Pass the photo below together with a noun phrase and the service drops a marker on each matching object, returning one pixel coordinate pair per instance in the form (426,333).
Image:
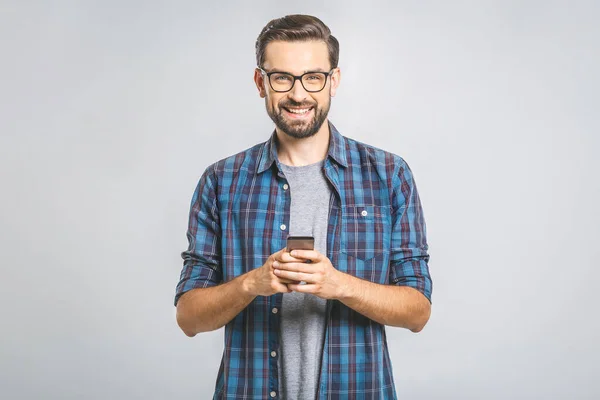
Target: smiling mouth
(298,111)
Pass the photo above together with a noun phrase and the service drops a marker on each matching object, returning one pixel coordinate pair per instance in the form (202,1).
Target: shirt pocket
(375,269)
(365,231)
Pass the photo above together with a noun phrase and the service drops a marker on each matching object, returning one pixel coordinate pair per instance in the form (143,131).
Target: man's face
(288,110)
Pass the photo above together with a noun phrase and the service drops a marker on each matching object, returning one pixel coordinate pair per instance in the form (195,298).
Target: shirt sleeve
(202,259)
(409,258)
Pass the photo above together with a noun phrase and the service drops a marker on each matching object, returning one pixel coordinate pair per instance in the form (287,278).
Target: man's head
(292,46)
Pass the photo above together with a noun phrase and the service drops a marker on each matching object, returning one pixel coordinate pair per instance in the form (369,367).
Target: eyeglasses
(284,82)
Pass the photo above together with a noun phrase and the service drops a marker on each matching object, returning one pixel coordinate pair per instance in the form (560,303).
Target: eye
(280,77)
(314,77)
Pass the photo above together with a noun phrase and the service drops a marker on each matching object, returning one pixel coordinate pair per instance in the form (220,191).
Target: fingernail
(275,263)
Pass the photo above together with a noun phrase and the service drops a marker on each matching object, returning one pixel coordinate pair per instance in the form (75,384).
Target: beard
(298,129)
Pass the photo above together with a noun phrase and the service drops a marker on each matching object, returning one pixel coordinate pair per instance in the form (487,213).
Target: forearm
(400,306)
(208,309)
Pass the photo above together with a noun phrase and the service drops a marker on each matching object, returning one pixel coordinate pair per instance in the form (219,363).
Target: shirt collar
(337,150)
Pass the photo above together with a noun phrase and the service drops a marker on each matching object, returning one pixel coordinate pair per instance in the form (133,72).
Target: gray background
(111,110)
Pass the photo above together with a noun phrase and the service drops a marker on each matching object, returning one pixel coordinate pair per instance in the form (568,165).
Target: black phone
(300,243)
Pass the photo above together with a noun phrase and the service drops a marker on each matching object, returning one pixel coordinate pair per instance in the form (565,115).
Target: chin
(306,131)
(299,135)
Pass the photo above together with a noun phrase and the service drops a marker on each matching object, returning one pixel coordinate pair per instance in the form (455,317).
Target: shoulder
(241,162)
(362,155)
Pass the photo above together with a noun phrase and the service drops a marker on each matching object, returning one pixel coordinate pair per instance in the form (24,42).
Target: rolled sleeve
(409,257)
(202,259)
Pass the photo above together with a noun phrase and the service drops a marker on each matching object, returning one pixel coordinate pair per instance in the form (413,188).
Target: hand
(263,282)
(321,278)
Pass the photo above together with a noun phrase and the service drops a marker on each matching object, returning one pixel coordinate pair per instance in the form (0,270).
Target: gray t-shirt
(302,331)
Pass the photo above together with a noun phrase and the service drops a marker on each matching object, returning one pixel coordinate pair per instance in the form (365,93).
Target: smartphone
(300,243)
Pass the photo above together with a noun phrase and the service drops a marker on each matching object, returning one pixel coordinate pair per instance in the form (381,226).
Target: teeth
(299,111)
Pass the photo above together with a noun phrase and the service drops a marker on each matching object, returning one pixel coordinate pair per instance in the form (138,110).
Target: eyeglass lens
(312,82)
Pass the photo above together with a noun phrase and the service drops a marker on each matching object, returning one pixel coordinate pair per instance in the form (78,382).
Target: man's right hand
(263,282)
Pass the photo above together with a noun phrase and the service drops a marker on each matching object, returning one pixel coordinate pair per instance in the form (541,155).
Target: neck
(305,151)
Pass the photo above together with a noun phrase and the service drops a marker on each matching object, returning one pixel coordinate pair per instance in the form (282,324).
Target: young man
(296,329)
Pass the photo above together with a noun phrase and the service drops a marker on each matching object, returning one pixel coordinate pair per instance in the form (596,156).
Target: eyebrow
(305,71)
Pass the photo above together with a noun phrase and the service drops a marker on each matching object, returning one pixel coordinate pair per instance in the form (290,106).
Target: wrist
(347,286)
(246,283)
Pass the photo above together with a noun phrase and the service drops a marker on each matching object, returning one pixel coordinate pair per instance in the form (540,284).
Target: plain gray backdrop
(111,110)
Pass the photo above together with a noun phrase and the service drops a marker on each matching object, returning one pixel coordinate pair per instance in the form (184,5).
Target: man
(296,329)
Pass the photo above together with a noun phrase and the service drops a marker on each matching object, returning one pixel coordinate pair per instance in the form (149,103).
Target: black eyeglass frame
(296,77)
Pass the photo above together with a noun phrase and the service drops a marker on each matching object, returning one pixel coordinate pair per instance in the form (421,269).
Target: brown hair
(297,28)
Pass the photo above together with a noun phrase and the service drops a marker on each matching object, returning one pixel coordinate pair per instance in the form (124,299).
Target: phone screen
(300,243)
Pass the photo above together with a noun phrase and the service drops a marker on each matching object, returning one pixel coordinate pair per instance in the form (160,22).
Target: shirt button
(364,213)
(274,310)
(273,354)
(282,227)
(273,394)
(285,186)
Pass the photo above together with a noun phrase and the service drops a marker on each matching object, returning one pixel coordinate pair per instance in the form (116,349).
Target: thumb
(285,288)
(276,255)
(281,251)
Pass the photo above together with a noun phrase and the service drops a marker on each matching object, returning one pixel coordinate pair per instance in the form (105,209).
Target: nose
(297,92)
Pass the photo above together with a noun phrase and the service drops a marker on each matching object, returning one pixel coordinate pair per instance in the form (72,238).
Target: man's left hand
(321,278)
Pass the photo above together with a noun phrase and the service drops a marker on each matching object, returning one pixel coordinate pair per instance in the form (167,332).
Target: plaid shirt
(240,213)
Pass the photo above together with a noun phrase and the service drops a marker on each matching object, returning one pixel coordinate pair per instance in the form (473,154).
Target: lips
(298,112)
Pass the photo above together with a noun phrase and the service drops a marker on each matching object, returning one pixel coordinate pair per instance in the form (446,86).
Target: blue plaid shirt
(240,214)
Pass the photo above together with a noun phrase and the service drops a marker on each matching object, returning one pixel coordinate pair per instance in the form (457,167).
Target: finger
(297,267)
(296,287)
(295,276)
(287,260)
(277,255)
(286,257)
(284,288)
(283,280)
(312,255)
(287,281)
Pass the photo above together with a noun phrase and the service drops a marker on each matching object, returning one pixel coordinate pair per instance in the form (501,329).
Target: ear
(336,75)
(260,83)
